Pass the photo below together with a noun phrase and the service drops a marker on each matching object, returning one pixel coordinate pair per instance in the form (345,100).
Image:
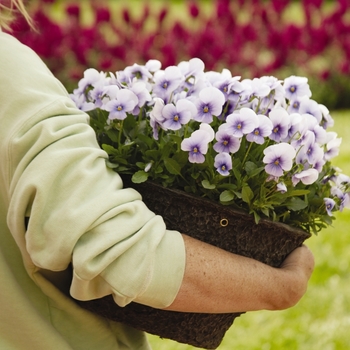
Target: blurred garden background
(251,38)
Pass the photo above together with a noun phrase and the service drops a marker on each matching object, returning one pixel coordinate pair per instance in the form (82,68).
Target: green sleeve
(53,171)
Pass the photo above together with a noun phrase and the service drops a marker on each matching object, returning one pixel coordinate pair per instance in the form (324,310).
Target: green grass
(321,320)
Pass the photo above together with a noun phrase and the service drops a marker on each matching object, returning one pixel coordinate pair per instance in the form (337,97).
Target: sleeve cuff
(169,269)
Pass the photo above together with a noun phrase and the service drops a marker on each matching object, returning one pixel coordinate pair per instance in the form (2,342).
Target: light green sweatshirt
(53,171)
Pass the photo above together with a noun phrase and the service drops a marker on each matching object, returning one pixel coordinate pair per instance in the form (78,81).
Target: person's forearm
(216,281)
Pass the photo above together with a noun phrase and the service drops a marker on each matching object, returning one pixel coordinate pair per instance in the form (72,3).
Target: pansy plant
(260,145)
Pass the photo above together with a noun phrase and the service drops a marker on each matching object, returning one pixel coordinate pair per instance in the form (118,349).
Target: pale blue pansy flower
(209,103)
(293,106)
(281,187)
(278,158)
(310,152)
(242,123)
(124,102)
(332,145)
(257,87)
(329,204)
(327,119)
(196,145)
(153,65)
(91,78)
(156,116)
(209,130)
(226,142)
(275,86)
(166,81)
(310,107)
(307,177)
(81,103)
(280,124)
(296,127)
(192,68)
(263,129)
(139,88)
(296,87)
(177,115)
(137,71)
(223,163)
(98,93)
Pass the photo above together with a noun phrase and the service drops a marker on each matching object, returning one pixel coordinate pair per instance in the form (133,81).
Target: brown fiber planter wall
(218,225)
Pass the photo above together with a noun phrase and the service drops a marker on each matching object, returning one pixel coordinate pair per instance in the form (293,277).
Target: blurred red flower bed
(250,38)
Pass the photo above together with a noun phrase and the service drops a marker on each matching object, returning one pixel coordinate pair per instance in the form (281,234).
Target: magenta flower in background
(279,158)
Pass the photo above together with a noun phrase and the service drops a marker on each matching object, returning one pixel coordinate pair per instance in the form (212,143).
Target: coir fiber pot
(218,225)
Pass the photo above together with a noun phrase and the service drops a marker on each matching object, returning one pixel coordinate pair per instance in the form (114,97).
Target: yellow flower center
(275,129)
(276,162)
(205,109)
(176,118)
(195,150)
(292,89)
(256,132)
(165,85)
(119,108)
(223,167)
(239,126)
(225,143)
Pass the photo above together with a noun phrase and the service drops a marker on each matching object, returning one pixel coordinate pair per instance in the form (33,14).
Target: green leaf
(265,211)
(226,196)
(250,167)
(247,194)
(153,154)
(172,166)
(206,184)
(296,193)
(296,204)
(144,140)
(111,165)
(256,217)
(139,177)
(109,149)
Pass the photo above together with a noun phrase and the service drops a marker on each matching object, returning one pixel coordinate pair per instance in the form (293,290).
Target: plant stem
(246,154)
(120,134)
